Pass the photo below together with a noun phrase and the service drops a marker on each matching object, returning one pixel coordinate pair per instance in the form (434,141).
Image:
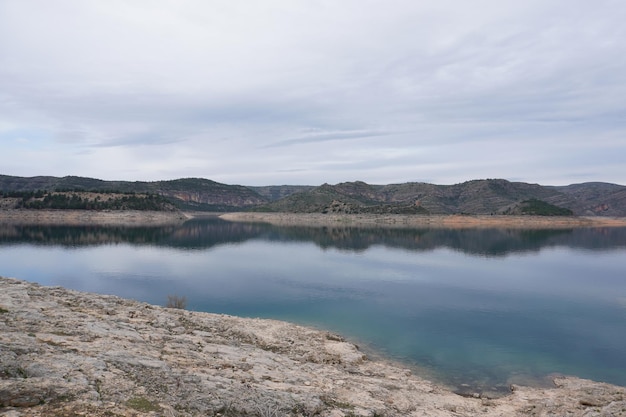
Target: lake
(474,309)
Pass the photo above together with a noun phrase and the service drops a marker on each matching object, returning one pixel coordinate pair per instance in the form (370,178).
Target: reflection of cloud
(621,301)
(326,290)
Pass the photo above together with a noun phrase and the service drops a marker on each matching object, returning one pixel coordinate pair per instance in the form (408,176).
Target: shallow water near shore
(477,309)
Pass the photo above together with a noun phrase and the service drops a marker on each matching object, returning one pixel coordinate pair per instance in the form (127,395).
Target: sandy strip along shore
(162,218)
(443,221)
(68,353)
(92,217)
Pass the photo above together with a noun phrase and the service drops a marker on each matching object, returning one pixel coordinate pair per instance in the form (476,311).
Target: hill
(593,198)
(490,196)
(83,200)
(277,192)
(202,194)
(187,193)
(487,196)
(349,198)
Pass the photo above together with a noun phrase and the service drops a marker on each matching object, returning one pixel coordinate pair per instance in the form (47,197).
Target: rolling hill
(487,196)
(491,196)
(187,193)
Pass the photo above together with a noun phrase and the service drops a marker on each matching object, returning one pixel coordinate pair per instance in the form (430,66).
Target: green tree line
(72,201)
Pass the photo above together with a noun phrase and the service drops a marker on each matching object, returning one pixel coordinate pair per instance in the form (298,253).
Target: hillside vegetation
(79,200)
(534,207)
(186,194)
(489,196)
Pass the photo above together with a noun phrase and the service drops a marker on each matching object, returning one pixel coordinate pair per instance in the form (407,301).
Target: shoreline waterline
(159,218)
(452,221)
(116,350)
(127,218)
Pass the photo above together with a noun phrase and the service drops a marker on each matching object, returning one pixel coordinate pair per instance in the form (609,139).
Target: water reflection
(76,236)
(209,232)
(523,304)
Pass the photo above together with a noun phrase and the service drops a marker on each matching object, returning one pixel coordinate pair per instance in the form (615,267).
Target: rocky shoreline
(431,221)
(68,353)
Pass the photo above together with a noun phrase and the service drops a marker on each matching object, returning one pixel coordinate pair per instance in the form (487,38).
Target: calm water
(478,307)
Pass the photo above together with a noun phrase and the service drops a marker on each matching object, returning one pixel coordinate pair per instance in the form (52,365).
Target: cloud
(305,91)
(320,136)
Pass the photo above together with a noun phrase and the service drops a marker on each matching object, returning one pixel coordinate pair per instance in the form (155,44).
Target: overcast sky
(307,92)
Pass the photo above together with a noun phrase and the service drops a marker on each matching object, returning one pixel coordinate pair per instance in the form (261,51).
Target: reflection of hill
(210,232)
(482,242)
(74,236)
(194,234)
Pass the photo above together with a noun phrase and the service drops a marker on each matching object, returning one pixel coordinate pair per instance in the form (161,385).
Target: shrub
(175,301)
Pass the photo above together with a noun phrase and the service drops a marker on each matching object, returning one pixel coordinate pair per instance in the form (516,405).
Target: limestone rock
(67,353)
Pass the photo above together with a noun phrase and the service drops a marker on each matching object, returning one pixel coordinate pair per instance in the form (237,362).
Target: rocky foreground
(67,353)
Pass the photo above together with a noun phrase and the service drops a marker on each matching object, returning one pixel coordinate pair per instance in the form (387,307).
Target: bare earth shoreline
(438,221)
(66,353)
(92,217)
(162,218)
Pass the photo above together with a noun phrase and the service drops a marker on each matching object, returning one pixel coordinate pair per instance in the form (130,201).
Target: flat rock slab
(68,353)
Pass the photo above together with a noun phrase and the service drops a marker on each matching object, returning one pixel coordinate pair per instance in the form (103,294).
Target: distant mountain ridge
(490,196)
(487,196)
(186,193)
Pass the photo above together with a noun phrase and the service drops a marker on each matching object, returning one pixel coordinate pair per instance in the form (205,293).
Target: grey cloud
(325,137)
(207,82)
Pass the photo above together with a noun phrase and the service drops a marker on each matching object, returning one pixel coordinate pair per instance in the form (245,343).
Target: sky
(318,91)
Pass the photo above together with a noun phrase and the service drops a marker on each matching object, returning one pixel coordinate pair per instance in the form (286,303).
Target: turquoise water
(483,308)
